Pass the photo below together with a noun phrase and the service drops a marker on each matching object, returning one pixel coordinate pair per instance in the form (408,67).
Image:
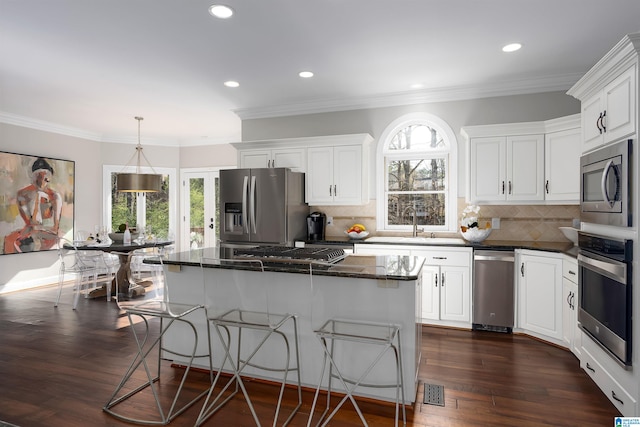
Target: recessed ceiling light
(231,83)
(417,86)
(511,47)
(305,74)
(220,11)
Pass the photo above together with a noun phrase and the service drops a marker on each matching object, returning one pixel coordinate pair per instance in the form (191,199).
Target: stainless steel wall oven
(605,293)
(606,186)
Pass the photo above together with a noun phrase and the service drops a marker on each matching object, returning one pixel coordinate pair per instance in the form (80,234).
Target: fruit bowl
(119,237)
(475,235)
(357,236)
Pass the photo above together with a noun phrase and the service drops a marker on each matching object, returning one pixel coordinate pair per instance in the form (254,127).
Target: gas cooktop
(285,253)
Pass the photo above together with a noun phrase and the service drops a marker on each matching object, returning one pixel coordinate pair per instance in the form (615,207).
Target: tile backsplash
(537,223)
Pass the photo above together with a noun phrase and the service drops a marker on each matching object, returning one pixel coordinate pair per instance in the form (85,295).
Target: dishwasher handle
(506,256)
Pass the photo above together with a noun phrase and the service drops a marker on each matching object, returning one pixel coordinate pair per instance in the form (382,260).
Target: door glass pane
(157,210)
(429,209)
(196,213)
(123,207)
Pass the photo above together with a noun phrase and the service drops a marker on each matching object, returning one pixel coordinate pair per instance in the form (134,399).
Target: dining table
(124,278)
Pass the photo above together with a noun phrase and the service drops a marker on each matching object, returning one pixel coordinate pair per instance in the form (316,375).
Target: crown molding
(453,93)
(31,123)
(28,122)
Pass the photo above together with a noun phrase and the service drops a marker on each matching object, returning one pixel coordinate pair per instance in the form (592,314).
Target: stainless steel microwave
(605,185)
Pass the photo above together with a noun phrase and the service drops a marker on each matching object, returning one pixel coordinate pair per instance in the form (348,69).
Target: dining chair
(89,267)
(255,331)
(354,346)
(144,379)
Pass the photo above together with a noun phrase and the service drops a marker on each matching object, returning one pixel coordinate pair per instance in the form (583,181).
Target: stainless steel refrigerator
(262,206)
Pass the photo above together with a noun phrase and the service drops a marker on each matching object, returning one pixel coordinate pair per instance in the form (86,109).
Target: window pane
(196,214)
(417,175)
(123,207)
(429,209)
(157,210)
(416,138)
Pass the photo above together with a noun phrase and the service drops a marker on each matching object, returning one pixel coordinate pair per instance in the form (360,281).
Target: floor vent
(434,394)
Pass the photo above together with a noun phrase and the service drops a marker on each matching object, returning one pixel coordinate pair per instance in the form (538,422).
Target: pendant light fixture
(139,182)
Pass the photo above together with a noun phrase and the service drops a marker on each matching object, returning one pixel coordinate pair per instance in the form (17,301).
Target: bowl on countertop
(119,237)
(357,236)
(570,233)
(475,235)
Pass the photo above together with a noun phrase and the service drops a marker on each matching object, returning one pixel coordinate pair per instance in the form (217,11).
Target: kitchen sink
(417,240)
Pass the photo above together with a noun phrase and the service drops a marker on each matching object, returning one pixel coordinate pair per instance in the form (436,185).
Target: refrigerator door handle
(252,204)
(245,194)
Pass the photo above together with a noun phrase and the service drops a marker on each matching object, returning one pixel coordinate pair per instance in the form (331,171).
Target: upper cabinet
(562,159)
(293,158)
(507,168)
(609,95)
(336,167)
(524,162)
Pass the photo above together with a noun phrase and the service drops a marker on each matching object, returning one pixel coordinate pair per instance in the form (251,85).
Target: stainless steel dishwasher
(493,290)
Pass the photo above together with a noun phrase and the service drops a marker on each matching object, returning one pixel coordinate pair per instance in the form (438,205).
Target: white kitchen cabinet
(446,285)
(540,294)
(562,165)
(346,156)
(570,333)
(446,280)
(507,168)
(335,176)
(294,158)
(609,114)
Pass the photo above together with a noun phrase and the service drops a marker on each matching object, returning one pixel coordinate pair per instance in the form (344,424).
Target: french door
(200,213)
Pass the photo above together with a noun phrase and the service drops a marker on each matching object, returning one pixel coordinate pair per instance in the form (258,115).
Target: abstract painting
(36,202)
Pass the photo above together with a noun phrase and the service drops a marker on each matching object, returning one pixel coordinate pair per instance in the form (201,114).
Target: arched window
(417,175)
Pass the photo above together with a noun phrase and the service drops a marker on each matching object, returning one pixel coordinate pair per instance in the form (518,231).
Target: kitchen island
(371,288)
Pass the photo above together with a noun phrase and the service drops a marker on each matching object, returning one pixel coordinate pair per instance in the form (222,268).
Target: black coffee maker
(315,226)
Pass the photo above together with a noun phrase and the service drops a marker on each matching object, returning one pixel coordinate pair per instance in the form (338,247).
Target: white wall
(33,269)
(41,267)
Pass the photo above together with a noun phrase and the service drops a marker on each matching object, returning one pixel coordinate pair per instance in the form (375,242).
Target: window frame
(451,151)
(107,170)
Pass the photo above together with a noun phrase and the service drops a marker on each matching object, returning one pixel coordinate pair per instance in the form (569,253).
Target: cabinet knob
(509,187)
(546,186)
(602,122)
(502,187)
(522,269)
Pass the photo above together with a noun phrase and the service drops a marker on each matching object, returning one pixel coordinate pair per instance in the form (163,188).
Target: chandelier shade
(139,182)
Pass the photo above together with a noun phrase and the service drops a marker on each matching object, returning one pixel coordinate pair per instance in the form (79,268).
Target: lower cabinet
(612,388)
(446,280)
(540,294)
(446,293)
(571,334)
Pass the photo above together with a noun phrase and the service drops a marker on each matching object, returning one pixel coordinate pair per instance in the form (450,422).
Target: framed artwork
(36,202)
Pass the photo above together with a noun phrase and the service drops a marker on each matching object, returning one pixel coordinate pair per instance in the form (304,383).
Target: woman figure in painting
(40,207)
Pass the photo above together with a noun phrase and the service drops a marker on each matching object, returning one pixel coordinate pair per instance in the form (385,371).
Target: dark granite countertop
(404,268)
(561,247)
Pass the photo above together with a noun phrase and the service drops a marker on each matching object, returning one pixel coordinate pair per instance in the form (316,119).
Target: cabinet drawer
(609,386)
(570,270)
(435,257)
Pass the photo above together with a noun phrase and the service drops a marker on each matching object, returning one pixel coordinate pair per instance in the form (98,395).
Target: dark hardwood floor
(58,367)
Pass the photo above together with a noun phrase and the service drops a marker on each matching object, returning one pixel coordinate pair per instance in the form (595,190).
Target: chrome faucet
(416,230)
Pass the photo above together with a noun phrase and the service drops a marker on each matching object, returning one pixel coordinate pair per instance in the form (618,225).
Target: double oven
(605,258)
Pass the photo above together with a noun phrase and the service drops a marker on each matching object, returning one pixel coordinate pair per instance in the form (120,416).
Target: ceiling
(89,67)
